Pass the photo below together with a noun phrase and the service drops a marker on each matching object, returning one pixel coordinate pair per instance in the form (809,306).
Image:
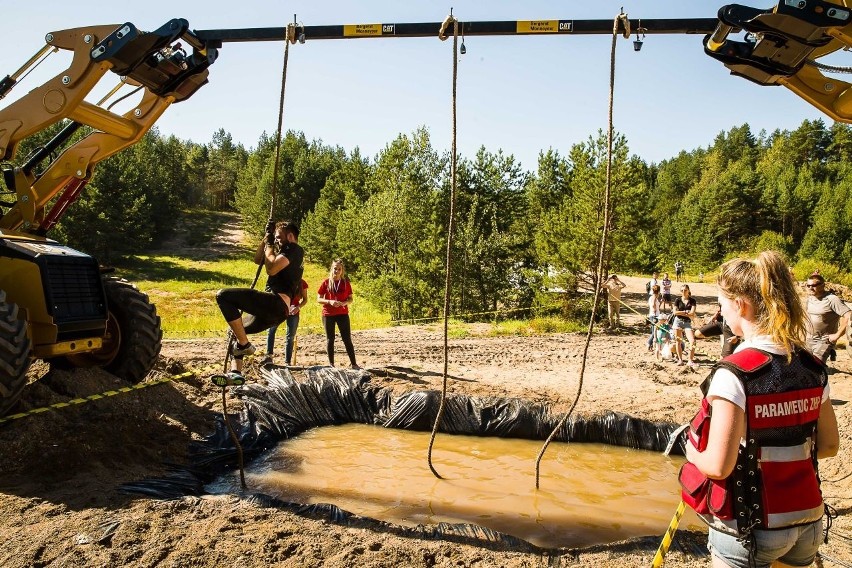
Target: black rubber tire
(15,358)
(134,336)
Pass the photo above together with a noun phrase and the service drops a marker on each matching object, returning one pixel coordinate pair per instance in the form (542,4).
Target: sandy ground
(60,470)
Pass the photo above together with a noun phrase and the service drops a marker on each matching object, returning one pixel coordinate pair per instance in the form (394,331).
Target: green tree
(488,252)
(396,237)
(303,170)
(711,220)
(128,206)
(225,160)
(828,237)
(344,189)
(567,238)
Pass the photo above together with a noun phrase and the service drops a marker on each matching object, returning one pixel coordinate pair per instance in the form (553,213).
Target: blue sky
(518,93)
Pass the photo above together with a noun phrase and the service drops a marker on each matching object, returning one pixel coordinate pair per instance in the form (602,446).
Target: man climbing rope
(250,311)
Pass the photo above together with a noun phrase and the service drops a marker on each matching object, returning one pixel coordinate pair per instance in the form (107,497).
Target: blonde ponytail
(767,284)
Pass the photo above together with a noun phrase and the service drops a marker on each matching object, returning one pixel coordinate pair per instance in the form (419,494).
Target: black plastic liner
(285,408)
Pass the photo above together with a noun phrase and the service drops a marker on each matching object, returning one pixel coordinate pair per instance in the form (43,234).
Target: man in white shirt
(654,281)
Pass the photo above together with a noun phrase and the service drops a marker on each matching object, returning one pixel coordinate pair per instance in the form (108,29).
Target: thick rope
(450,229)
(234,438)
(290,37)
(602,249)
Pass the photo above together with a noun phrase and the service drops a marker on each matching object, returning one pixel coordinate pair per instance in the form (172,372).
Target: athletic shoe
(265,361)
(681,363)
(356,368)
(247,349)
(693,365)
(232,379)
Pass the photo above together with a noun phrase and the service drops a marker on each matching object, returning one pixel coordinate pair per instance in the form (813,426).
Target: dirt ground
(60,470)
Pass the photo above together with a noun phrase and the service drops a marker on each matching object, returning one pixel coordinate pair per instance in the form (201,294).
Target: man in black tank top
(250,311)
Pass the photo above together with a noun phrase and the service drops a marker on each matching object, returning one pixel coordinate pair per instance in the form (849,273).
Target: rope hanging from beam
(619,19)
(289,38)
(450,229)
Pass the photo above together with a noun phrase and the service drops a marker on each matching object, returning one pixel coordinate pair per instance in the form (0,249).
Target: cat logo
(565,26)
(388,29)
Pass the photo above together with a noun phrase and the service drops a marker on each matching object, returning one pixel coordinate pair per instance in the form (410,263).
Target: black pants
(342,322)
(260,310)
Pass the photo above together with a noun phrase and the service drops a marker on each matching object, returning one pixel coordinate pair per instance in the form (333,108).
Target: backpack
(648,287)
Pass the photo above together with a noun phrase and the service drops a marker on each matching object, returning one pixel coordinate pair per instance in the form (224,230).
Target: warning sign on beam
(544,26)
(368,30)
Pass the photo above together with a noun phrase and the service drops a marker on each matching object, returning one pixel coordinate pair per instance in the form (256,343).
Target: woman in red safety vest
(766,417)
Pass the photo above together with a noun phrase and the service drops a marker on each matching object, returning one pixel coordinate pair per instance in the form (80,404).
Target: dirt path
(60,470)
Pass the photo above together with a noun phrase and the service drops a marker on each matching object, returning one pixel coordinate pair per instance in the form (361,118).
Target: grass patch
(535,326)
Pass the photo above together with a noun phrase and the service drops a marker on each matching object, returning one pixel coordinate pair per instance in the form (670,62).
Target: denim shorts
(796,546)
(685,323)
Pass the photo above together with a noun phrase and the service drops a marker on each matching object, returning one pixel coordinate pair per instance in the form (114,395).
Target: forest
(519,235)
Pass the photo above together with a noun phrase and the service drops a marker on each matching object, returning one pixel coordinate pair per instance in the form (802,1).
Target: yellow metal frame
(62,97)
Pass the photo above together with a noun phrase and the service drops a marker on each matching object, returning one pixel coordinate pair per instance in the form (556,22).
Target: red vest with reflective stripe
(775,482)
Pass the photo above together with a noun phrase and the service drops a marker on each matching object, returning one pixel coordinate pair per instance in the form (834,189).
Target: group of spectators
(668,331)
(827,318)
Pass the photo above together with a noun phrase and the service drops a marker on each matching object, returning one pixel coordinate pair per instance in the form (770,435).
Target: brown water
(590,493)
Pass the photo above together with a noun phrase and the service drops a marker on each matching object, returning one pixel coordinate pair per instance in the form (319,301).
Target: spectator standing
(717,327)
(335,296)
(653,313)
(684,311)
(613,287)
(828,317)
(678,266)
(667,292)
(654,281)
(292,327)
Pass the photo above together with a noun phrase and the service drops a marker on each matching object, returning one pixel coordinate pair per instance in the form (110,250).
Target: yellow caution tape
(93,397)
(659,557)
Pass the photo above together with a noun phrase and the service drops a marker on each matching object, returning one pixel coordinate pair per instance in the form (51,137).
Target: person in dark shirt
(250,311)
(684,312)
(717,327)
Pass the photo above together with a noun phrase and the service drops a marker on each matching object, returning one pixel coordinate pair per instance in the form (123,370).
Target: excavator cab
(55,302)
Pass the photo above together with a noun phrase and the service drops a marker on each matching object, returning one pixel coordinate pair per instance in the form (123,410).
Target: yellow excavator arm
(782,46)
(155,62)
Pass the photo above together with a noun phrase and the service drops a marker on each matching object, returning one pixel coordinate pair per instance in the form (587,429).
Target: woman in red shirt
(335,295)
